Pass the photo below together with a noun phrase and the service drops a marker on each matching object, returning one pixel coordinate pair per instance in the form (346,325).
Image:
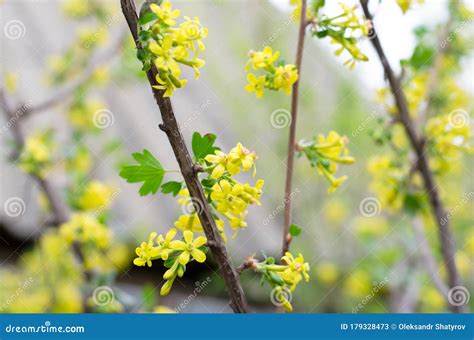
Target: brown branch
(248,263)
(446,237)
(292,137)
(428,258)
(59,209)
(170,127)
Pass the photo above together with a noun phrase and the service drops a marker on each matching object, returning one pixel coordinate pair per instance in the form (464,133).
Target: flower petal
(198,255)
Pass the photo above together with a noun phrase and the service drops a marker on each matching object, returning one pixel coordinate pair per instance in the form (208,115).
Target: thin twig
(65,91)
(59,209)
(446,238)
(428,258)
(170,127)
(292,137)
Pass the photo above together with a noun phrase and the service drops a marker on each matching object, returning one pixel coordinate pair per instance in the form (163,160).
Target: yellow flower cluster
(277,75)
(283,277)
(325,153)
(448,138)
(168,46)
(239,158)
(96,196)
(343,29)
(389,180)
(85,229)
(175,253)
(232,198)
(36,157)
(229,197)
(191,221)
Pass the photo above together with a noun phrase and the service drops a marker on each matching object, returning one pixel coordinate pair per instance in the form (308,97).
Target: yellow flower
(36,157)
(227,197)
(165,12)
(263,59)
(255,84)
(238,157)
(164,243)
(85,228)
(325,153)
(285,77)
(165,60)
(297,269)
(189,222)
(147,252)
(219,159)
(406,4)
(96,195)
(189,248)
(191,31)
(10,80)
(327,272)
(163,310)
(358,284)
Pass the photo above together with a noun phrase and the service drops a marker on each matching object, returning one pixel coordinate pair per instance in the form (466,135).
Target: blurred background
(359,263)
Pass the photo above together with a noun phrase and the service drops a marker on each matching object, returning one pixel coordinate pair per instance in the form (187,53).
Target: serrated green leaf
(294,230)
(172,187)
(149,171)
(203,145)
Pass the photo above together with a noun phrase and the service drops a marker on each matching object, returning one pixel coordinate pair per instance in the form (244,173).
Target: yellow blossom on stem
(165,12)
(189,248)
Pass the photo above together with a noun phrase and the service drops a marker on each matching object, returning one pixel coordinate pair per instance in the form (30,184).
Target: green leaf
(171,187)
(147,17)
(203,145)
(422,57)
(149,171)
(294,230)
(208,182)
(413,203)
